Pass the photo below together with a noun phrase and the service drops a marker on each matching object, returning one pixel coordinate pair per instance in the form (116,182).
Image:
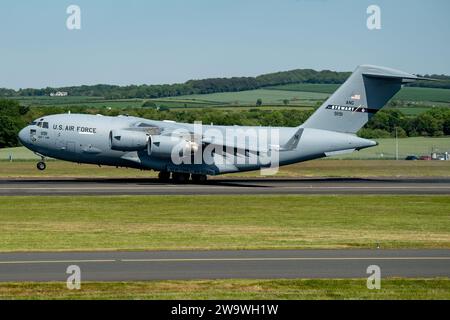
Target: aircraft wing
(185,132)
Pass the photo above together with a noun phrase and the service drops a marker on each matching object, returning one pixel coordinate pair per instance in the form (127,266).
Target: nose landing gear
(41,166)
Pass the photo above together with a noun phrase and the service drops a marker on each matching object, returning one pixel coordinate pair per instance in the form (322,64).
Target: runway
(269,264)
(139,186)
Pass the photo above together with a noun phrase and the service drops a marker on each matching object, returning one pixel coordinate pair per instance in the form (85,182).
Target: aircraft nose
(23,137)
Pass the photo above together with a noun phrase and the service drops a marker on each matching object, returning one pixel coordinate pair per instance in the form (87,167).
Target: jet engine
(165,146)
(125,140)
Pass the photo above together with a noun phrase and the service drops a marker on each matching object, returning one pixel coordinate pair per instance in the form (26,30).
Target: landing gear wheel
(199,178)
(164,176)
(41,166)
(180,177)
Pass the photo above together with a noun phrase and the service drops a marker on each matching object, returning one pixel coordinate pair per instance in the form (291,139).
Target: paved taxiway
(268,264)
(221,185)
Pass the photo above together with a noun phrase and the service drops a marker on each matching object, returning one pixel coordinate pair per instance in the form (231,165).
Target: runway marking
(55,261)
(283,259)
(120,188)
(220,260)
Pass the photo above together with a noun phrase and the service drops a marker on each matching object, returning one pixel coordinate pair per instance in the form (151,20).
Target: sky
(170,41)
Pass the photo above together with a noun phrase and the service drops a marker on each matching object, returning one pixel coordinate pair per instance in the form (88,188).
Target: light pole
(396,143)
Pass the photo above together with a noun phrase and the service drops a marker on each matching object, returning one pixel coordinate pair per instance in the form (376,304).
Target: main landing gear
(181,178)
(164,176)
(199,178)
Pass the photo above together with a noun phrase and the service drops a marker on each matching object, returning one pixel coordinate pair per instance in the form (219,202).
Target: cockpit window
(43,125)
(40,123)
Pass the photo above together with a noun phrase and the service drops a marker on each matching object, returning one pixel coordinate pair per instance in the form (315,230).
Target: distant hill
(213,85)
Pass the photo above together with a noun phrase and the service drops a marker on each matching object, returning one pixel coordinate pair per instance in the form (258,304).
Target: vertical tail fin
(364,93)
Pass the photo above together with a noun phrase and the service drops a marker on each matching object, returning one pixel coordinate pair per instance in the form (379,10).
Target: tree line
(13,117)
(443,83)
(190,87)
(386,123)
(212,85)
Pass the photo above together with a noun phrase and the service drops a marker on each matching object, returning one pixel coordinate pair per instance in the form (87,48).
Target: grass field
(228,107)
(269,97)
(250,97)
(20,153)
(307,87)
(318,168)
(407,146)
(420,289)
(406,94)
(360,169)
(47,100)
(254,222)
(303,94)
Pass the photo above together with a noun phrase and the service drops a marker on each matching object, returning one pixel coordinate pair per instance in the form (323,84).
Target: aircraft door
(60,142)
(70,146)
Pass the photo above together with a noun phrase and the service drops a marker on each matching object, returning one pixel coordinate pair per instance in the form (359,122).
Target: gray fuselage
(87,139)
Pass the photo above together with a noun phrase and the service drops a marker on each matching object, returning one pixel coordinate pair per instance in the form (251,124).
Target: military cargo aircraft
(181,152)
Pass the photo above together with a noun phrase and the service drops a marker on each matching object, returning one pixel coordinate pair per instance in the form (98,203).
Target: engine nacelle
(125,140)
(165,146)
